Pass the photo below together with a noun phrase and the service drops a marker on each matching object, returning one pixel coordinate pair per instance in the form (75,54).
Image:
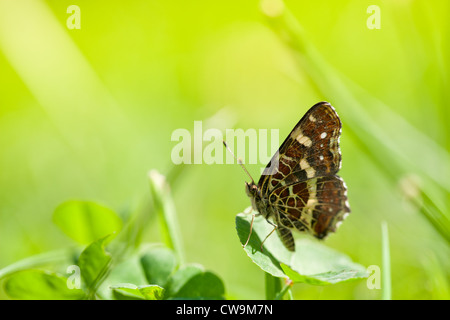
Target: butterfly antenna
(239,160)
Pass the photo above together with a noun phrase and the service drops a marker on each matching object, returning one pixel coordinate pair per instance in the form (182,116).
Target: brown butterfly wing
(300,182)
(310,150)
(315,206)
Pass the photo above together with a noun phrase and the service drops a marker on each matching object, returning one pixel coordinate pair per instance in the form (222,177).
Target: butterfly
(299,188)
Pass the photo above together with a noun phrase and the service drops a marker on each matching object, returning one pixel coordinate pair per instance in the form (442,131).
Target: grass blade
(386,286)
(165,208)
(39,260)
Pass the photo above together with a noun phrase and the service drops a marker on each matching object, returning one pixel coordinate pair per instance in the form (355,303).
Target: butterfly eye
(251,189)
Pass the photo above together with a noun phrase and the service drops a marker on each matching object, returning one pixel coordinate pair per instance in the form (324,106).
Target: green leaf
(312,262)
(158,264)
(40,285)
(132,292)
(85,221)
(181,277)
(128,270)
(325,278)
(192,282)
(274,251)
(94,263)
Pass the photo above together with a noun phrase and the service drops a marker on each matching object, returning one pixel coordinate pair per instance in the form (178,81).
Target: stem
(283,291)
(273,287)
(165,207)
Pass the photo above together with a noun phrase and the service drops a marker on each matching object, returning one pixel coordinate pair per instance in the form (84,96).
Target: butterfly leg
(251,227)
(274,228)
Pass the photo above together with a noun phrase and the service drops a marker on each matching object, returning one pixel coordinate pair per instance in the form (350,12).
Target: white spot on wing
(323,135)
(347,204)
(304,164)
(310,172)
(304,140)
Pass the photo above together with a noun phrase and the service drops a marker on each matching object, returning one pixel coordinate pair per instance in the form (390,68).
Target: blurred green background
(85,114)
